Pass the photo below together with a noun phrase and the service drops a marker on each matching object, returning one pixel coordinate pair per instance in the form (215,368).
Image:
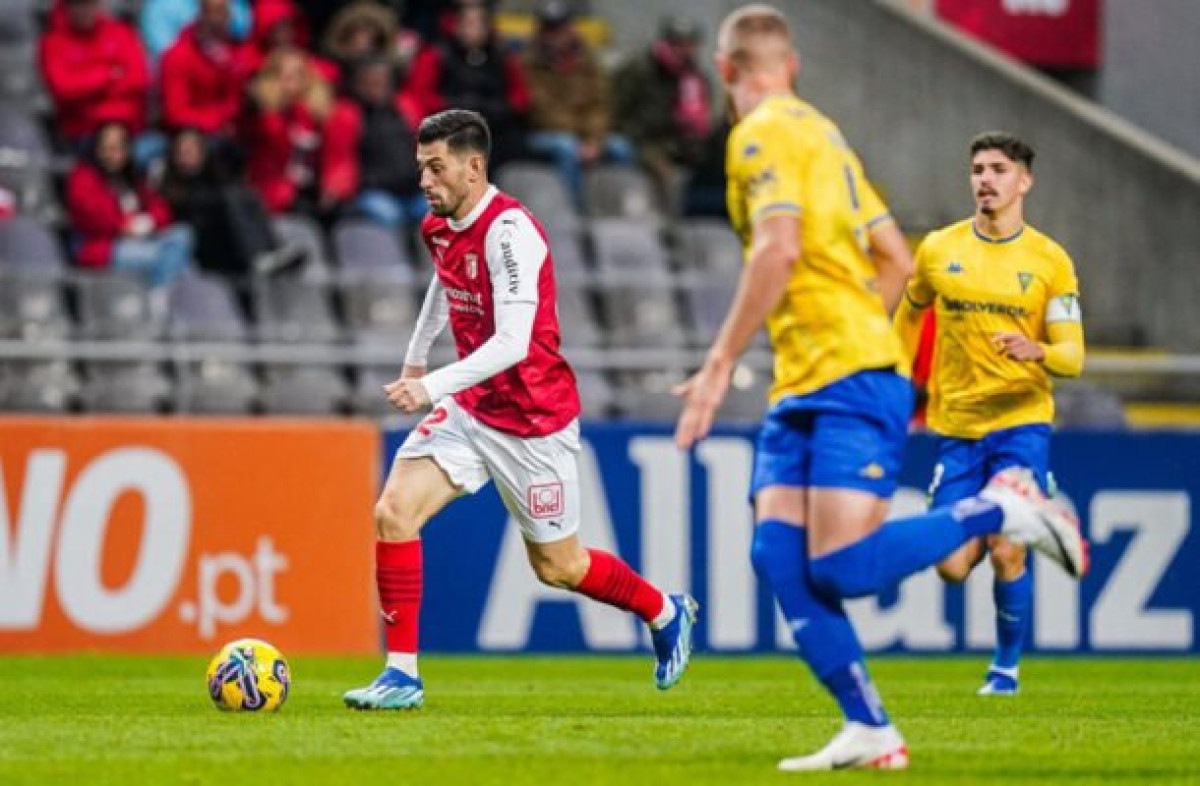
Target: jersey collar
(997,240)
(476,212)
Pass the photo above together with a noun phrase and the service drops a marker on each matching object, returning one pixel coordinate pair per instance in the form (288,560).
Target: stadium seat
(709,245)
(216,387)
(305,390)
(570,260)
(127,387)
(116,307)
(380,312)
(367,250)
(617,191)
(32,309)
(576,316)
(204,308)
(641,314)
(292,310)
(1083,406)
(597,397)
(45,385)
(20,85)
(27,246)
(25,158)
(627,246)
(304,232)
(540,189)
(368,398)
(746,401)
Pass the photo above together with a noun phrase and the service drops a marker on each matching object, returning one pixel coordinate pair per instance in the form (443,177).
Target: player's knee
(1008,559)
(564,572)
(394,521)
(954,571)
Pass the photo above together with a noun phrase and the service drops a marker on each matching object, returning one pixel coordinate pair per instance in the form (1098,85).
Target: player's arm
(1062,353)
(888,249)
(515,254)
(917,296)
(431,321)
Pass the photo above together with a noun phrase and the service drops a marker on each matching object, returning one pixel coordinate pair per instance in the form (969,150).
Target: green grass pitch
(592,720)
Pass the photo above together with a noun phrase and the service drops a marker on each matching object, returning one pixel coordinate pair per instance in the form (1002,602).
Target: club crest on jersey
(1025,280)
(471,261)
(954,267)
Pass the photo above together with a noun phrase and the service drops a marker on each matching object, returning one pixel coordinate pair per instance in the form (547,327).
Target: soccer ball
(250,675)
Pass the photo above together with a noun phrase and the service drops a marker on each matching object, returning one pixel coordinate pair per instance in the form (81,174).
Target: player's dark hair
(462,129)
(1010,145)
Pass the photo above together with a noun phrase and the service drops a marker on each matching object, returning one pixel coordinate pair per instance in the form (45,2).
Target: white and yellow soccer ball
(248,675)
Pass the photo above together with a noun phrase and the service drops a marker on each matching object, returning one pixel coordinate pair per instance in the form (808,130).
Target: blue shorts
(964,466)
(849,434)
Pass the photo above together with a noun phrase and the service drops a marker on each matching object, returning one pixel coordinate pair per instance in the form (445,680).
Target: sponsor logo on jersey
(984,307)
(546,500)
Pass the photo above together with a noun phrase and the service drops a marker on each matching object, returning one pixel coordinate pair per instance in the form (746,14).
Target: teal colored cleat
(673,644)
(391,690)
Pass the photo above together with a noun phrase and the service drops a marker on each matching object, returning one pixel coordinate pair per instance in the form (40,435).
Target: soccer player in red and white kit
(506,411)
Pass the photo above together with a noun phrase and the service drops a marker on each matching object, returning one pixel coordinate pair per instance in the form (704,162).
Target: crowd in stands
(193,127)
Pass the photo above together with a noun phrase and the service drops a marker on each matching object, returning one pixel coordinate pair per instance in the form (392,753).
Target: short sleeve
(763,165)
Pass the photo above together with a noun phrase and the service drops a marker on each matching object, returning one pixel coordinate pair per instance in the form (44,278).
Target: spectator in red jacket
(95,69)
(118,221)
(283,130)
(472,71)
(203,75)
(279,24)
(369,151)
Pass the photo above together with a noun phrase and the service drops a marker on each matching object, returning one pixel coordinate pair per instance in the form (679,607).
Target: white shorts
(537,477)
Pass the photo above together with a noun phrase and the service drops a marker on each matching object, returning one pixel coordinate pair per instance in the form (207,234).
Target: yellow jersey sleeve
(873,209)
(1062,292)
(920,292)
(764,166)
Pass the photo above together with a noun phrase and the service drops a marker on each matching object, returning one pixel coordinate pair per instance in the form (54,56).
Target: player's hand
(407,395)
(1018,346)
(702,395)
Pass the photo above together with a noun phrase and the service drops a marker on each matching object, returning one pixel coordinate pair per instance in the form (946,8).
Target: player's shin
(819,624)
(609,579)
(398,575)
(900,548)
(1014,599)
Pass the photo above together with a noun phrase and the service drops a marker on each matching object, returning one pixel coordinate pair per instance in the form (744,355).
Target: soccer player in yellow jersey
(825,264)
(1008,317)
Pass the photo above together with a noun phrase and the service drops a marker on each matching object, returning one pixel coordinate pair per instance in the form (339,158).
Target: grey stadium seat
(215,387)
(576,316)
(617,191)
(540,189)
(116,307)
(709,245)
(32,309)
(304,232)
(597,397)
(291,310)
(368,397)
(628,246)
(1084,406)
(380,312)
(641,314)
(28,246)
(136,387)
(569,258)
(367,250)
(24,157)
(38,386)
(204,308)
(305,390)
(646,395)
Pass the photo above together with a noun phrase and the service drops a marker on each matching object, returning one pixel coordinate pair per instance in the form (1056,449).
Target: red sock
(398,576)
(609,580)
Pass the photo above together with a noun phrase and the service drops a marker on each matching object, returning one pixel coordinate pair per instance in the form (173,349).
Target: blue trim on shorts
(849,434)
(964,466)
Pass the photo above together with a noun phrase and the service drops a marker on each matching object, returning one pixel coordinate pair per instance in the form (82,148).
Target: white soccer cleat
(1039,523)
(856,746)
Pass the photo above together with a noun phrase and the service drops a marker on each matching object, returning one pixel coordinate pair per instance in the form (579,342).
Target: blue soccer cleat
(391,690)
(673,643)
(999,683)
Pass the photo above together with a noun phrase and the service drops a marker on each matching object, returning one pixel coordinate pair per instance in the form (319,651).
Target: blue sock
(1013,602)
(822,631)
(900,548)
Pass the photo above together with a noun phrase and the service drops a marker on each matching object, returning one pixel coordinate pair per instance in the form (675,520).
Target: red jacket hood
(269,13)
(57,21)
